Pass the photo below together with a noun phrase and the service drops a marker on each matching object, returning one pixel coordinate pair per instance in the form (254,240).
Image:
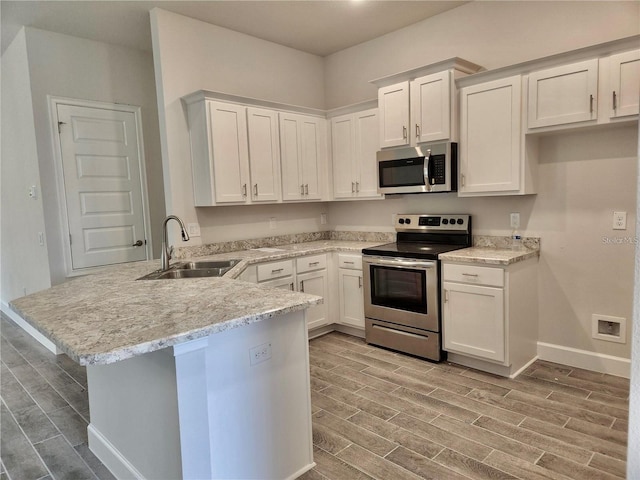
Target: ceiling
(317,27)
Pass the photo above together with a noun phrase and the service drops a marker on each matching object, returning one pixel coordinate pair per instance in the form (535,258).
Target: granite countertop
(110,316)
(489,255)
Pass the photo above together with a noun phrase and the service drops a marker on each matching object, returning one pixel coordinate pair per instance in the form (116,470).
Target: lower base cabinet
(490,316)
(315,283)
(351,290)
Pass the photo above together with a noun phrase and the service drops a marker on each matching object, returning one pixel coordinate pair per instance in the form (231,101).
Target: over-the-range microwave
(427,168)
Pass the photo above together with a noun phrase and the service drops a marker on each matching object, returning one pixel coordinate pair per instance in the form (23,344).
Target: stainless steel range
(402,283)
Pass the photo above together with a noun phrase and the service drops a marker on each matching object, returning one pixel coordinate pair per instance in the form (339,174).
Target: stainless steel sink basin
(193,270)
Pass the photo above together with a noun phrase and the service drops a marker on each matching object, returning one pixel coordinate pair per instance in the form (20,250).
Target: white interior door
(103,189)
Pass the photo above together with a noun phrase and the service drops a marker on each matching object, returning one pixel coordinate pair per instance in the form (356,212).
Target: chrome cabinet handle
(470,275)
(590,103)
(615,103)
(462,179)
(302,189)
(277,270)
(313,264)
(244,190)
(417,131)
(255,189)
(302,286)
(350,263)
(292,286)
(404,132)
(306,189)
(357,187)
(446,296)
(353,187)
(359,282)
(137,244)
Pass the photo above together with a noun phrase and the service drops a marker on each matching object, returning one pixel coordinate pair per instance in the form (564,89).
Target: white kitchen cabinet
(489,315)
(315,283)
(303,155)
(351,290)
(624,82)
(431,107)
(493,157)
(220,156)
(393,102)
(235,153)
(564,94)
(354,143)
(264,154)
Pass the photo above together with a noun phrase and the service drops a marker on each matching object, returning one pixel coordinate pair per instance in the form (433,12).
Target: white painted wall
(65,66)
(190,55)
(633,448)
(25,265)
(492,34)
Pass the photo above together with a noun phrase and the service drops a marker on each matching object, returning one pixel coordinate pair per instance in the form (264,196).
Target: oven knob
(460,221)
(407,221)
(401,221)
(452,221)
(445,221)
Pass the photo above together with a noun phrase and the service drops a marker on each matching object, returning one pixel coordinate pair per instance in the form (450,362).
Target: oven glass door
(399,288)
(402,291)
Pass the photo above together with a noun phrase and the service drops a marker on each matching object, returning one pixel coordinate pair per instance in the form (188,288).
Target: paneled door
(103,185)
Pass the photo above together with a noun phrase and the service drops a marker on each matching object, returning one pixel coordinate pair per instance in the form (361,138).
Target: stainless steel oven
(402,283)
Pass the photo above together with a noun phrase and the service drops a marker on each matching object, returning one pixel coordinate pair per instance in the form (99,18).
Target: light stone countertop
(110,316)
(489,255)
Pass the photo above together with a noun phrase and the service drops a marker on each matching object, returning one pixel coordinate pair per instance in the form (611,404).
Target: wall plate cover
(619,220)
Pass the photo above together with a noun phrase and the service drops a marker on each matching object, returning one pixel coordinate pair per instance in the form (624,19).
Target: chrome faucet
(166,250)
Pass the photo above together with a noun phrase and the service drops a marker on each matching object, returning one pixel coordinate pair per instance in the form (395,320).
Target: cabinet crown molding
(524,68)
(456,63)
(201,95)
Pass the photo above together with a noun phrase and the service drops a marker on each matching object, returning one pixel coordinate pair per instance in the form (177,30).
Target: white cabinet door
(302,153)
(562,95)
(393,102)
(366,125)
(490,136)
(315,283)
(264,154)
(473,320)
(351,297)
(625,83)
(228,133)
(431,107)
(342,148)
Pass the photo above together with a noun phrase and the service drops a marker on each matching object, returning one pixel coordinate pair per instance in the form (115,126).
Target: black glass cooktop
(421,250)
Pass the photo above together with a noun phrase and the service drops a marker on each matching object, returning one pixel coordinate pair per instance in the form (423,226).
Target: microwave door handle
(427,170)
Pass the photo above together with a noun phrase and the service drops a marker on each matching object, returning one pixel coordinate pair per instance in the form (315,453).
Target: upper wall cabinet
(304,157)
(565,94)
(219,151)
(624,83)
(264,154)
(354,141)
(599,90)
(420,105)
(492,161)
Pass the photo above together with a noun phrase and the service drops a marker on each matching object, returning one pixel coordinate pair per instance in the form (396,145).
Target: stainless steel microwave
(424,169)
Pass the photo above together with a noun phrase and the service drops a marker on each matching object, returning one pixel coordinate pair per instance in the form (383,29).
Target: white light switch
(619,220)
(193,229)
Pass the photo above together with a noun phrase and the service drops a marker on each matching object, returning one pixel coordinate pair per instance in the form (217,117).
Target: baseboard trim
(23,324)
(109,455)
(573,357)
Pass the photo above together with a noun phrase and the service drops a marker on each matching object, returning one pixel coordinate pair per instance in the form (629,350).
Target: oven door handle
(398,263)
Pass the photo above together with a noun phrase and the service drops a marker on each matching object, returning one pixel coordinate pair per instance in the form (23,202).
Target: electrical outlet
(41,238)
(260,354)
(272,223)
(619,220)
(323,219)
(33,192)
(193,229)
(514,220)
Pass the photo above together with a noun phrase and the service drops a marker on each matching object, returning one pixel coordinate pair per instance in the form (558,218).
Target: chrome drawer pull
(470,274)
(277,270)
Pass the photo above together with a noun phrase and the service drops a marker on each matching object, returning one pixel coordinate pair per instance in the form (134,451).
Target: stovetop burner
(426,236)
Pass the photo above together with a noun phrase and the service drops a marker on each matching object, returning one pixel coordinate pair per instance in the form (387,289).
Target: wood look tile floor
(376,414)
(387,416)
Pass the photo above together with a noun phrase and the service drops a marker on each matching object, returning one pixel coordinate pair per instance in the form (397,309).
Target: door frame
(53,102)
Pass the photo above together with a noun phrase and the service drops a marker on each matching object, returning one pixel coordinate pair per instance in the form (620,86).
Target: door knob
(137,244)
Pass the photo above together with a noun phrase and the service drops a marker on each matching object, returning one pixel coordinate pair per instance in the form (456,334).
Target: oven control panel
(448,222)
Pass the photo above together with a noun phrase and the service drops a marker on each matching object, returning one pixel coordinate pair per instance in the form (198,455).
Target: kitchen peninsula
(176,386)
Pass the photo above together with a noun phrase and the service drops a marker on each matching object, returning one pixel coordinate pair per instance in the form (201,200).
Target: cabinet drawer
(353,262)
(473,274)
(267,271)
(314,262)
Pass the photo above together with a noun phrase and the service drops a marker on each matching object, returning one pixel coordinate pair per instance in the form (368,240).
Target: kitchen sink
(193,270)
